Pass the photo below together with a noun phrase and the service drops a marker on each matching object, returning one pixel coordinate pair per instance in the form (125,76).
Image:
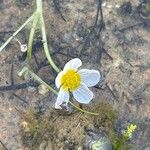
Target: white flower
(76,81)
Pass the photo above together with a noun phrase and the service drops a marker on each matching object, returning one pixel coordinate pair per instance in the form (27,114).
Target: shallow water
(117,44)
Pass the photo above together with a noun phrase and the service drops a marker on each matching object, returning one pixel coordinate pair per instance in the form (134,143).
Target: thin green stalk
(46,45)
(35,77)
(15,33)
(29,53)
(32,33)
(44,38)
(84,111)
(39,5)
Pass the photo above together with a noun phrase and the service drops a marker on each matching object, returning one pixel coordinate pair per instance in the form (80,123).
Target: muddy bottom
(112,37)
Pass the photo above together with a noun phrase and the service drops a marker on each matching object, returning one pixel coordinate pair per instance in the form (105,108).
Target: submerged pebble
(96,140)
(126,8)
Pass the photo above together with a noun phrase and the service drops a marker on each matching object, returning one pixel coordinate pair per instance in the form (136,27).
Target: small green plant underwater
(107,120)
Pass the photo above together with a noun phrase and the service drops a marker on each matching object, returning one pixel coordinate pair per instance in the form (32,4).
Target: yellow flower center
(70,80)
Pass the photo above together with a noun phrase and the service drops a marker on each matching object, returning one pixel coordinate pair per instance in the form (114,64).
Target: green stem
(29,53)
(35,77)
(44,38)
(15,33)
(46,45)
(39,5)
(32,33)
(84,111)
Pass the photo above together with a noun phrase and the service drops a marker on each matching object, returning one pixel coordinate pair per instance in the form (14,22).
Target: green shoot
(37,19)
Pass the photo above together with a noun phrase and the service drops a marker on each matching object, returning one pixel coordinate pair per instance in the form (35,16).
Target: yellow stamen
(70,80)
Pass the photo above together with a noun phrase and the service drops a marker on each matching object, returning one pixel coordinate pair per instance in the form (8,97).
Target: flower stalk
(37,19)
(39,5)
(44,38)
(84,111)
(32,33)
(25,70)
(16,32)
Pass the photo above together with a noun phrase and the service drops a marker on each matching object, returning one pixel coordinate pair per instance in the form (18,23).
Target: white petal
(73,64)
(83,94)
(89,77)
(58,79)
(63,96)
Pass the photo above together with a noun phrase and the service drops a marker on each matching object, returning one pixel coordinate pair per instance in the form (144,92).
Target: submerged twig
(36,60)
(12,75)
(114,96)
(133,25)
(57,7)
(101,21)
(18,86)
(3,145)
(98,26)
(21,99)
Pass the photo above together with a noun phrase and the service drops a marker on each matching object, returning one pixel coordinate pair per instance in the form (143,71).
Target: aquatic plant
(27,72)
(71,80)
(121,142)
(129,131)
(107,120)
(37,20)
(75,81)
